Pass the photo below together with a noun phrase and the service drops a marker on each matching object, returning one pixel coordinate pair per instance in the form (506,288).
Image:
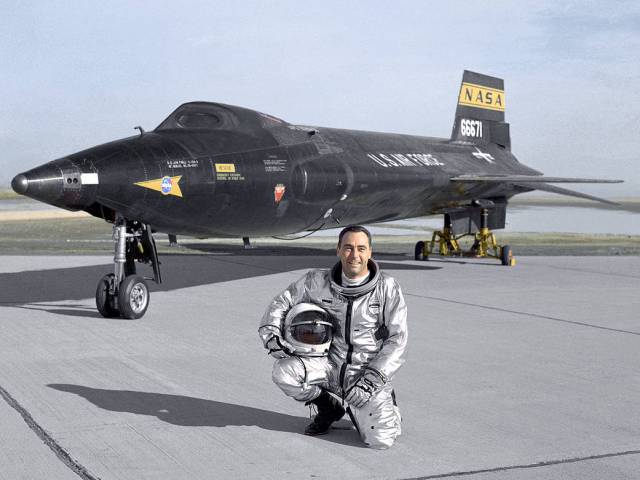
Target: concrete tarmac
(530,372)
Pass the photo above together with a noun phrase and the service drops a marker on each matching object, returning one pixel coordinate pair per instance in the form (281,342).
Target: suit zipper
(347,338)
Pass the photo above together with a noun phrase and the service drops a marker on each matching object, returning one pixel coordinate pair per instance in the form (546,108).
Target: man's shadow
(199,412)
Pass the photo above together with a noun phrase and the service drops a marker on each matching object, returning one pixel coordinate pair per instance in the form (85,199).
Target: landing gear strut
(484,244)
(124,293)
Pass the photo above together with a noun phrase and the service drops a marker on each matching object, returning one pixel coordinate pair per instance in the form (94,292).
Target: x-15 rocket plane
(214,170)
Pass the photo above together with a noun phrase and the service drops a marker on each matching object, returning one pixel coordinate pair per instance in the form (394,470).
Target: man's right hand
(278,347)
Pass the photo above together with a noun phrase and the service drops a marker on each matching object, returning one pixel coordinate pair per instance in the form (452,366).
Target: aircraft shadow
(199,412)
(69,310)
(259,250)
(179,271)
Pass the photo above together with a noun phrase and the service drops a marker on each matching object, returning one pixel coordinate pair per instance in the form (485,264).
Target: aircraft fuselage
(263,176)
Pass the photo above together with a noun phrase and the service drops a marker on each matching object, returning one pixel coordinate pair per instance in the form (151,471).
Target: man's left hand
(361,391)
(357,396)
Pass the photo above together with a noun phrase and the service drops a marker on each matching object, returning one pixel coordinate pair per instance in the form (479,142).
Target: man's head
(354,250)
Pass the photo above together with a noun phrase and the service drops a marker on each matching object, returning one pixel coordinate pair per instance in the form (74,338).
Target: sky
(75,74)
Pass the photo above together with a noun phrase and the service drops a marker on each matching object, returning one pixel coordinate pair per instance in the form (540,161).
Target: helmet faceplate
(308,328)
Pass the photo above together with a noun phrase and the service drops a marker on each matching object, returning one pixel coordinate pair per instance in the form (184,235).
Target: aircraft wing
(540,182)
(529,179)
(564,191)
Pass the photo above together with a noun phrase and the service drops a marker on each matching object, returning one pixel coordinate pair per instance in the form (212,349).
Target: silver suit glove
(360,393)
(278,347)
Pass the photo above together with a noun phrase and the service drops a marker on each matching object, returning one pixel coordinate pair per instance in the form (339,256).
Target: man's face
(354,253)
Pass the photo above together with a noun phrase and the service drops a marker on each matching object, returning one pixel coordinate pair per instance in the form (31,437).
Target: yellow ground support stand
(448,243)
(484,245)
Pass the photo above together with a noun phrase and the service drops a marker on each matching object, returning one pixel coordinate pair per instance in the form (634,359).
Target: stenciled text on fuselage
(405,159)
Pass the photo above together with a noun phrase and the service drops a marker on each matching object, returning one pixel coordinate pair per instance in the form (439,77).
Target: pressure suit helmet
(308,328)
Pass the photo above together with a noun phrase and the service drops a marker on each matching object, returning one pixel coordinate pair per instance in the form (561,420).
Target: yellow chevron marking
(164,185)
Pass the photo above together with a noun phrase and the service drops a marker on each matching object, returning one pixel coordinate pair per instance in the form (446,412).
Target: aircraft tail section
(480,111)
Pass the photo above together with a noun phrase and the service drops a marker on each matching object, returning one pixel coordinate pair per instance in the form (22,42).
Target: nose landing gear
(484,244)
(124,293)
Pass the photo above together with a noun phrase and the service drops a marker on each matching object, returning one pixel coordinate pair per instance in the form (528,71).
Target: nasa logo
(479,96)
(166,185)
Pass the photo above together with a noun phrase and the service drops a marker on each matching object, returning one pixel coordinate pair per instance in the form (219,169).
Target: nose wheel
(124,293)
(133,297)
(106,301)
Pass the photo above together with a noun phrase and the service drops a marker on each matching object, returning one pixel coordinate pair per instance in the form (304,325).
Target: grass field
(88,235)
(57,231)
(8,194)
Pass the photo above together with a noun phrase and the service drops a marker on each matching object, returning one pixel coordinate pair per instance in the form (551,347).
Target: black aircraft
(214,170)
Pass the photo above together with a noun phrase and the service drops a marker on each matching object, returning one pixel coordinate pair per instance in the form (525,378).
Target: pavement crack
(545,463)
(581,270)
(527,314)
(48,440)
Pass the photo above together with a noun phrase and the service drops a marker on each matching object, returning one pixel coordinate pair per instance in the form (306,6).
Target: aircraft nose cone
(43,183)
(20,184)
(57,183)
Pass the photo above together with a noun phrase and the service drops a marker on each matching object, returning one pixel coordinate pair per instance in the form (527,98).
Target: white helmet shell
(308,328)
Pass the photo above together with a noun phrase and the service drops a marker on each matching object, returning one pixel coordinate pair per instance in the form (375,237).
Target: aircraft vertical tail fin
(480,111)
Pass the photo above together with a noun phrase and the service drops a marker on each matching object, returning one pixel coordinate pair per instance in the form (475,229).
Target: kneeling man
(341,333)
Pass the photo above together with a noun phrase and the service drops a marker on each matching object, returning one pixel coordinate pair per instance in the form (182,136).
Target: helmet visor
(311,333)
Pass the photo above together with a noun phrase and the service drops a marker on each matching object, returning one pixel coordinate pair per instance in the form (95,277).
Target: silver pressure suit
(371,333)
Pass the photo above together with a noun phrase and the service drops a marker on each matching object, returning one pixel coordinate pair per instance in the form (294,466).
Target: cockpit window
(200,116)
(198,120)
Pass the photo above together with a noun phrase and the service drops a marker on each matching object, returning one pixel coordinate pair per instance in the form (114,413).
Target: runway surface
(529,372)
